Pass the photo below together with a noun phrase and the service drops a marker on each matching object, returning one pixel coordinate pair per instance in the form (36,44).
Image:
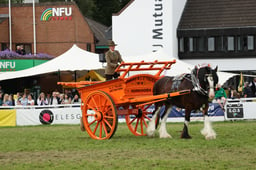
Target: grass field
(66,147)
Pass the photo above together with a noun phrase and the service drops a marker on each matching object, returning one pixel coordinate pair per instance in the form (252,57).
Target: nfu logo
(57,14)
(7,65)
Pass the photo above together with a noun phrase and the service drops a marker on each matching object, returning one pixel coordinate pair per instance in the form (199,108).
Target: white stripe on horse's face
(211,85)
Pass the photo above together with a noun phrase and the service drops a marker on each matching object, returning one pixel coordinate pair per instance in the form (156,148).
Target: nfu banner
(40,116)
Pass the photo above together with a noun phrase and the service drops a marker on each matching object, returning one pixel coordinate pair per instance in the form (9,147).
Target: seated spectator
(24,100)
(41,101)
(76,99)
(68,92)
(48,96)
(6,101)
(230,92)
(54,100)
(67,99)
(252,85)
(1,100)
(61,98)
(20,50)
(31,101)
(17,99)
(247,91)
(11,99)
(220,96)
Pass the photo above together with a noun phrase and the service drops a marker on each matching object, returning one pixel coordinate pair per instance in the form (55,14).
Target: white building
(144,26)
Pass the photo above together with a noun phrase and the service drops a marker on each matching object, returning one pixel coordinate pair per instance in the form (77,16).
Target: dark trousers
(111,76)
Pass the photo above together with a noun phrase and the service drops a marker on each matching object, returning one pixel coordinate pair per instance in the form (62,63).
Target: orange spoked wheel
(100,115)
(138,124)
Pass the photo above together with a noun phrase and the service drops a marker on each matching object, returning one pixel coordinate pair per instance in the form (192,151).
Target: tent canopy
(78,59)
(72,60)
(179,67)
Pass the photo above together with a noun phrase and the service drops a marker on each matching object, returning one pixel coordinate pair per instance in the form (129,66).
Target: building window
(26,47)
(244,43)
(211,44)
(88,47)
(200,44)
(191,46)
(181,44)
(220,43)
(239,44)
(250,42)
(4,46)
(231,43)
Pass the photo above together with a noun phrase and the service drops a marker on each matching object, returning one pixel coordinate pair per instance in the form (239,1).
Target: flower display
(7,54)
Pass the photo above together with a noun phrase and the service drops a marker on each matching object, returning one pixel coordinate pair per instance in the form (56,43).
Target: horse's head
(207,78)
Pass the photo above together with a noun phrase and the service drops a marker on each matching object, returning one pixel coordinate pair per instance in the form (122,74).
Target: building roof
(214,14)
(100,32)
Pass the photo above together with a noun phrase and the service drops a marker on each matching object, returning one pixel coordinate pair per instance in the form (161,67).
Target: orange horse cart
(130,97)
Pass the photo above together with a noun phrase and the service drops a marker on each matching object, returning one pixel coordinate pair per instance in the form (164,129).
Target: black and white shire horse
(201,83)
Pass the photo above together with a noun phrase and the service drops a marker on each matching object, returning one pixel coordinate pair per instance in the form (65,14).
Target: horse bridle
(195,81)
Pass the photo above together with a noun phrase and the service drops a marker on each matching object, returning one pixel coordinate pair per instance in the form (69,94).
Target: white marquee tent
(72,60)
(179,67)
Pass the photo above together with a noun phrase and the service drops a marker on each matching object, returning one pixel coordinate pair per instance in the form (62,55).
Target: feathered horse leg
(207,131)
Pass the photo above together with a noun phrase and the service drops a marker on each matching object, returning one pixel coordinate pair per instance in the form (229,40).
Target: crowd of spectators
(221,95)
(24,99)
(248,90)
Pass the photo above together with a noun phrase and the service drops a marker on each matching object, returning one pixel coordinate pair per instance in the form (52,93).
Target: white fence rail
(235,109)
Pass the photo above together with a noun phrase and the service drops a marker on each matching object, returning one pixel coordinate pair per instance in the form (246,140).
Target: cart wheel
(137,124)
(100,115)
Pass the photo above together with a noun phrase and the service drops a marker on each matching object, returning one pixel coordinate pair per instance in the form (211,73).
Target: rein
(197,87)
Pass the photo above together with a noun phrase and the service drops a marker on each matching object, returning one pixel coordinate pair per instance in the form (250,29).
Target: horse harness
(193,77)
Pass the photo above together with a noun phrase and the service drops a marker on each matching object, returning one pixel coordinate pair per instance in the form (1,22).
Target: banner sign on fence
(213,110)
(70,115)
(235,110)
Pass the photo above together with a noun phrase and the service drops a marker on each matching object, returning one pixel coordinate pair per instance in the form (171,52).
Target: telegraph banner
(7,117)
(43,116)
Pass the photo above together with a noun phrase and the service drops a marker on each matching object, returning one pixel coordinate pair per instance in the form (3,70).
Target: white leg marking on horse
(152,125)
(162,131)
(208,131)
(211,84)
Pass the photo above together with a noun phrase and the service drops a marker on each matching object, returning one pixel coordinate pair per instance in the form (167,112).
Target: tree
(12,1)
(86,7)
(104,10)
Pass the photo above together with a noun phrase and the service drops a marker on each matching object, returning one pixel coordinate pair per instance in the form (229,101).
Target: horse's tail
(157,105)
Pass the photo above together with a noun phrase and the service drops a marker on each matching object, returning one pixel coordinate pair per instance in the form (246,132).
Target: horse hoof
(203,132)
(165,136)
(150,133)
(185,136)
(210,137)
